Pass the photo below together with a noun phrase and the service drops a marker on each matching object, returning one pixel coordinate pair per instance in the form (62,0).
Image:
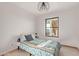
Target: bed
(39,47)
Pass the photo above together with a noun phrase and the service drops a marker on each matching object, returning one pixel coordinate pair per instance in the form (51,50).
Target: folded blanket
(44,43)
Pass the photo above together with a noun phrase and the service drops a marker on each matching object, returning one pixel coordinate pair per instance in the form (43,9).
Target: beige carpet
(64,51)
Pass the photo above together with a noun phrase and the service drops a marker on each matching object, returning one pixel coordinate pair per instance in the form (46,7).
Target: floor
(65,51)
(69,51)
(17,53)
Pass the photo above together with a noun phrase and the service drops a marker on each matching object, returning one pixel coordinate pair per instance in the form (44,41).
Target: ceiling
(54,6)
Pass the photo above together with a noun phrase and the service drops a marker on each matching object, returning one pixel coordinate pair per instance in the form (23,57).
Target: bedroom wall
(13,21)
(68,26)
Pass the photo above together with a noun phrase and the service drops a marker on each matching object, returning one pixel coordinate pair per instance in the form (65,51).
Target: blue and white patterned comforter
(51,49)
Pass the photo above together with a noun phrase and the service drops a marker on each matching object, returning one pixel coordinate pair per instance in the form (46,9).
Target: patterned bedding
(50,49)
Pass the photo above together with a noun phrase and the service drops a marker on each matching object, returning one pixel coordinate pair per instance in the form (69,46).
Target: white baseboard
(71,46)
(2,53)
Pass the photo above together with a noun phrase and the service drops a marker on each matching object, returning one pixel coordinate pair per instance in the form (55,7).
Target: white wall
(68,26)
(13,21)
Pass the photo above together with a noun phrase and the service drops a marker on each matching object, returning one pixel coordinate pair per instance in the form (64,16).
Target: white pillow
(22,37)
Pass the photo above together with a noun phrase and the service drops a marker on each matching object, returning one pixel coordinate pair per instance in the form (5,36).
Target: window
(52,27)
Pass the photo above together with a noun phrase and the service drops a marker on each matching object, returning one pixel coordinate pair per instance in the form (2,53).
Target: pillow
(22,37)
(29,37)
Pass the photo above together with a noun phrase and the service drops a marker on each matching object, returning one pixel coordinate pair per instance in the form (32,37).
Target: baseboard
(3,53)
(70,46)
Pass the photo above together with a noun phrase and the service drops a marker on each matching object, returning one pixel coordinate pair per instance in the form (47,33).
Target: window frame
(51,27)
